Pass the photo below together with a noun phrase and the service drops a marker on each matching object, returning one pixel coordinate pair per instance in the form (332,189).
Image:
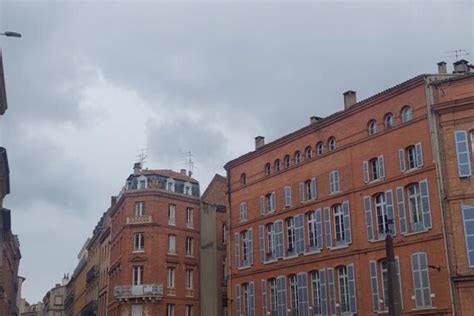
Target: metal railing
(142,219)
(138,291)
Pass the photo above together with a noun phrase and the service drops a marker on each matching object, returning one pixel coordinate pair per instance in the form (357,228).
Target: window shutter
(374,285)
(381,166)
(302,294)
(327,227)
(299,233)
(462,153)
(331,182)
(365,167)
(401,210)
(313,188)
(252,299)
(368,217)
(287,196)
(347,222)
(468,220)
(237,250)
(301,192)
(281,296)
(262,204)
(421,284)
(401,156)
(352,288)
(250,245)
(322,282)
(272,201)
(399,279)
(319,229)
(336,181)
(279,238)
(261,240)
(419,155)
(263,286)
(332,292)
(237,300)
(425,204)
(390,213)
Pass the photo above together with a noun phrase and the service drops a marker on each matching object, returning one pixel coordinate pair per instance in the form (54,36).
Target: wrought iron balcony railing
(143,291)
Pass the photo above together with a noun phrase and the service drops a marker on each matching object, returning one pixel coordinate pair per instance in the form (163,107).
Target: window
(468,218)
(171,244)
(189,246)
(320,148)
(343,289)
(188,188)
(189,279)
(224,233)
(374,169)
(171,277)
(339,224)
(244,300)
(243,179)
(318,292)
(171,214)
(139,208)
(189,217)
(314,230)
(372,127)
(287,196)
(137,310)
(381,214)
(291,236)
(137,277)
(407,114)
(388,120)
(462,153)
(268,169)
(334,181)
(379,283)
(169,309)
(189,310)
(277,165)
(421,280)
(297,157)
(418,215)
(247,247)
(293,293)
(138,242)
(308,190)
(142,182)
(332,143)
(271,241)
(384,274)
(287,161)
(243,211)
(308,152)
(414,203)
(170,184)
(267,203)
(58,300)
(272,285)
(411,157)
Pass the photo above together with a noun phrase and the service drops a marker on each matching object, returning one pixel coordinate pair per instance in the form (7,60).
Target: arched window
(332,143)
(372,127)
(297,157)
(268,168)
(277,165)
(320,148)
(407,114)
(287,161)
(243,179)
(388,120)
(308,152)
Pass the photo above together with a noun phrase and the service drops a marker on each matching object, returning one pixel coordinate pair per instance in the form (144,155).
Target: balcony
(92,274)
(153,292)
(138,220)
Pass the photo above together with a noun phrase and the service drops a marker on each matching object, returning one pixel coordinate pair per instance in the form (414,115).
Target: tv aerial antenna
(189,160)
(456,53)
(142,156)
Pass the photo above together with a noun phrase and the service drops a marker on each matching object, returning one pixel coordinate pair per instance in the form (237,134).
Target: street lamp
(11,34)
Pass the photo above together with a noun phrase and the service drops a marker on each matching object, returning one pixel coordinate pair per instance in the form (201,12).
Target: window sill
(339,247)
(423,308)
(335,192)
(421,231)
(138,251)
(312,252)
(244,268)
(290,257)
(376,180)
(270,261)
(412,170)
(172,254)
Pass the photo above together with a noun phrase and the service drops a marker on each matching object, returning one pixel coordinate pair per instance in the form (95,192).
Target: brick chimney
(442,68)
(461,66)
(137,167)
(314,119)
(183,172)
(349,99)
(259,141)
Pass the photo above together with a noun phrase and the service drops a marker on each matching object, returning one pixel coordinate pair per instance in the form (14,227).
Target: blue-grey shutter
(263,286)
(250,245)
(390,212)
(319,229)
(279,238)
(237,250)
(462,153)
(347,222)
(365,167)
(273,205)
(332,292)
(252,299)
(399,279)
(374,285)
(261,241)
(287,196)
(468,220)
(331,182)
(352,288)
(327,227)
(337,184)
(301,192)
(262,204)
(302,294)
(299,233)
(237,300)
(401,210)
(419,155)
(368,217)
(381,166)
(281,296)
(313,188)
(401,156)
(322,282)
(421,284)
(425,204)
(425,279)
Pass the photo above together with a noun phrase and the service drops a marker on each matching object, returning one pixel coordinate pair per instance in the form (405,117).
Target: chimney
(442,70)
(183,172)
(349,99)
(314,119)
(259,141)
(461,66)
(190,173)
(113,200)
(137,167)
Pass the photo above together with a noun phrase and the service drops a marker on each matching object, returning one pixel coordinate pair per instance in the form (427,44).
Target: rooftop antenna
(456,53)
(189,160)
(142,156)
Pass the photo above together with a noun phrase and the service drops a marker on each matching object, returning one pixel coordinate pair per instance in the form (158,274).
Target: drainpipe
(435,148)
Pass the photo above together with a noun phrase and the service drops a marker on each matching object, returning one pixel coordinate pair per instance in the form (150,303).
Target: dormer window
(142,182)
(170,184)
(188,188)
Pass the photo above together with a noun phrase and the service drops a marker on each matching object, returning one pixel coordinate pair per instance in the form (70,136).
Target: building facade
(154,245)
(104,263)
(309,212)
(53,301)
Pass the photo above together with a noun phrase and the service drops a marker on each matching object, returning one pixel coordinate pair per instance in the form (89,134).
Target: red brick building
(154,245)
(309,212)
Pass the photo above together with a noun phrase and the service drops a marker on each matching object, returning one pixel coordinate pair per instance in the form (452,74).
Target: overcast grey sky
(91,83)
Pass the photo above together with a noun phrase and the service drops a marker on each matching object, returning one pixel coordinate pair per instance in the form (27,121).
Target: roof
(168,173)
(3,93)
(4,173)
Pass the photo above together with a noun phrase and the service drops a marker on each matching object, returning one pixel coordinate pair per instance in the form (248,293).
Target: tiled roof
(168,173)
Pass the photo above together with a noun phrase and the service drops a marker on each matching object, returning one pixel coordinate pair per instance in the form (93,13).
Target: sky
(92,83)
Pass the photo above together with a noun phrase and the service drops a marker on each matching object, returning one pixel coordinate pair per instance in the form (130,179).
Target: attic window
(188,188)
(170,184)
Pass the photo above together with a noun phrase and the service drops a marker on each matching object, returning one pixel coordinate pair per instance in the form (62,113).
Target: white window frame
(170,309)
(139,242)
(332,144)
(268,169)
(308,152)
(339,228)
(246,298)
(189,246)
(189,310)
(142,182)
(137,275)
(270,240)
(414,207)
(189,279)
(381,214)
(171,278)
(172,214)
(316,292)
(406,114)
(334,186)
(468,218)
(170,184)
(293,285)
(172,244)
(139,208)
(298,159)
(312,230)
(388,120)
(344,296)
(188,188)
(277,165)
(243,211)
(291,235)
(244,236)
(320,149)
(272,286)
(372,127)
(189,217)
(287,161)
